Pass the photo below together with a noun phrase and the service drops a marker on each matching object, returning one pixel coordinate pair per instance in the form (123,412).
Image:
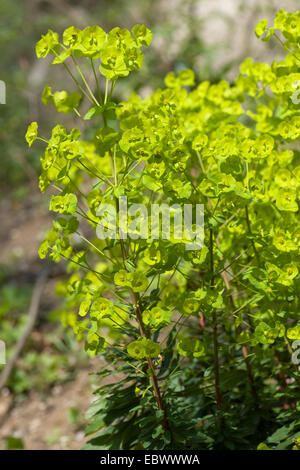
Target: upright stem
(215,335)
(85,81)
(138,312)
(249,371)
(76,81)
(250,233)
(215,331)
(136,302)
(135,299)
(214,315)
(244,348)
(96,80)
(106,91)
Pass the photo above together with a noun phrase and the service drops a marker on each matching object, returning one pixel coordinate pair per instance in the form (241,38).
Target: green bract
(48,44)
(31,134)
(142,34)
(66,204)
(121,278)
(92,40)
(137,281)
(143,348)
(261,27)
(65,102)
(72,37)
(101,307)
(190,347)
(157,317)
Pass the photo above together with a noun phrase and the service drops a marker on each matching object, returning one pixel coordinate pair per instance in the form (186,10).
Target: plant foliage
(202,339)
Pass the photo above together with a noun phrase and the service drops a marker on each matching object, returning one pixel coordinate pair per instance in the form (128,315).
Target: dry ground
(40,420)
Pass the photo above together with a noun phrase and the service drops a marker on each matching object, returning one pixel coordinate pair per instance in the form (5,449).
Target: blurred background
(48,381)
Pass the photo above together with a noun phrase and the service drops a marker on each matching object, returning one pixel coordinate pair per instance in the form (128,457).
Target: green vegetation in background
(53,359)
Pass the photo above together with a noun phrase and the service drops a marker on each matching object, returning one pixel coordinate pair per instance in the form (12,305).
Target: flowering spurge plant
(203,340)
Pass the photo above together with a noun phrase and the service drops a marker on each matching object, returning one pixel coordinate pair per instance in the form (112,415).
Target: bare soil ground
(41,421)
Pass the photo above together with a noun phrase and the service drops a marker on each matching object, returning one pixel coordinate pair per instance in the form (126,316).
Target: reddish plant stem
(251,234)
(249,371)
(215,330)
(136,303)
(244,350)
(282,375)
(138,312)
